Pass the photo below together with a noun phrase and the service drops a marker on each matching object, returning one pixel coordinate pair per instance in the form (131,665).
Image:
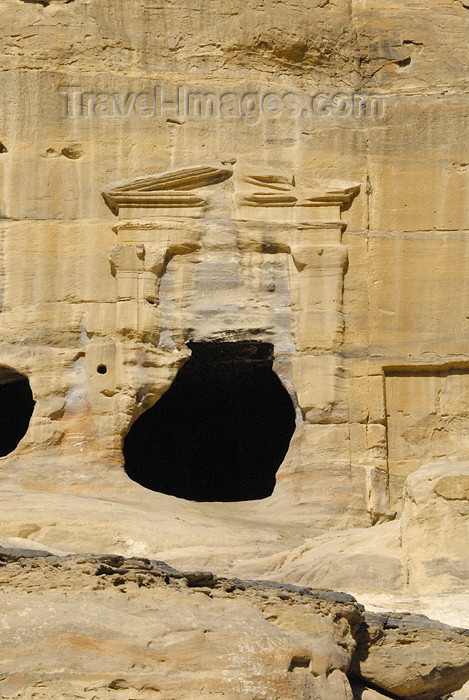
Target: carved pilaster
(138,262)
(274,212)
(318,275)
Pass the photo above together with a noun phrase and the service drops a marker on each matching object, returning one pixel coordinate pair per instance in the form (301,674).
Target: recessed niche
(427,411)
(16,408)
(220,432)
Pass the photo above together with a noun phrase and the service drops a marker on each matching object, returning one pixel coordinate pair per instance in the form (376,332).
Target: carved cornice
(254,193)
(263,190)
(166,190)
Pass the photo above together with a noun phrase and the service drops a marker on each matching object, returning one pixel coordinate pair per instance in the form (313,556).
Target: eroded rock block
(410,656)
(435,527)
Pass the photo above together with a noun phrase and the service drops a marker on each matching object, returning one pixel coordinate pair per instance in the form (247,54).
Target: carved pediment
(254,193)
(261,189)
(173,189)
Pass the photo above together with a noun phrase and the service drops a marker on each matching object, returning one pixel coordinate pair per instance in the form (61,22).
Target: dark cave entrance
(16,408)
(221,430)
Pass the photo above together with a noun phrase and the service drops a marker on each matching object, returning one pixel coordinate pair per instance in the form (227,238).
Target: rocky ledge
(105,626)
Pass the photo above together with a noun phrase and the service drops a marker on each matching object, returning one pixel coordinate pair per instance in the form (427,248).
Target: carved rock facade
(219,253)
(209,199)
(321,234)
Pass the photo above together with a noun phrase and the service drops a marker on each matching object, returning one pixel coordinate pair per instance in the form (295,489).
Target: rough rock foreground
(102,626)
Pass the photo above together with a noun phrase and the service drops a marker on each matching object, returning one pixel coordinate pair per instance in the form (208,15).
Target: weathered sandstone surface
(338,236)
(243,224)
(94,626)
(413,657)
(435,527)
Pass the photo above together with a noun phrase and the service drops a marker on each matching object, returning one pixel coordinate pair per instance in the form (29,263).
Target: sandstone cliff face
(286,179)
(99,312)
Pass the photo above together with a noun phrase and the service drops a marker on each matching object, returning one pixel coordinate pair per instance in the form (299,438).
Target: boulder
(102,626)
(435,528)
(94,627)
(411,656)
